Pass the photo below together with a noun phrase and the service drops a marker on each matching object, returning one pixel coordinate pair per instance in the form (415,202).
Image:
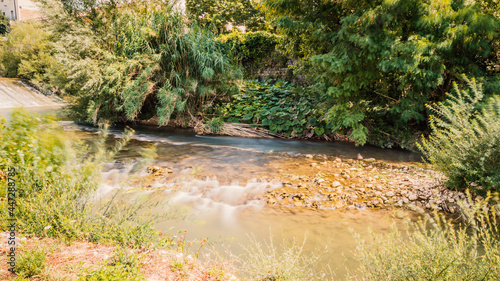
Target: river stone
(369,160)
(314,164)
(389,194)
(405,200)
(336,183)
(360,207)
(412,197)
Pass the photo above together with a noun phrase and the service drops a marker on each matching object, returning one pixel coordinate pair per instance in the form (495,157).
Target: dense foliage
(465,139)
(280,107)
(383,60)
(139,61)
(4,24)
(217,14)
(27,53)
(255,52)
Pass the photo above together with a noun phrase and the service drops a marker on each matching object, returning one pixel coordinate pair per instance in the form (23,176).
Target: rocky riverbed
(330,183)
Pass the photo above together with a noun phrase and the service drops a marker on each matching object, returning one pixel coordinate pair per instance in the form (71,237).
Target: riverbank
(82,260)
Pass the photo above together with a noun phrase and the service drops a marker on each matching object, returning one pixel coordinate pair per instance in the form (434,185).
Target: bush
(465,139)
(137,62)
(280,107)
(31,263)
(436,249)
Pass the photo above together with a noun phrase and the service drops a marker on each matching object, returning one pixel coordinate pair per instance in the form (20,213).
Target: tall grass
(56,177)
(435,248)
(285,261)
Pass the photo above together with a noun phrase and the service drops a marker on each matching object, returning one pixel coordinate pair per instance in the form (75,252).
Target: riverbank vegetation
(373,66)
(393,73)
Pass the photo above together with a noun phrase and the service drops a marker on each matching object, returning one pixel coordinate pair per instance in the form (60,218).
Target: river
(216,183)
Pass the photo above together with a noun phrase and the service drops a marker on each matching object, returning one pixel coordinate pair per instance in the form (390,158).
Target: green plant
(137,62)
(254,51)
(434,248)
(465,139)
(288,261)
(215,125)
(379,62)
(56,179)
(117,272)
(280,107)
(27,52)
(216,14)
(4,24)
(31,263)
(124,257)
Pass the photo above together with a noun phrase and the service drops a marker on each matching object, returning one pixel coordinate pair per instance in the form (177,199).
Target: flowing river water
(217,181)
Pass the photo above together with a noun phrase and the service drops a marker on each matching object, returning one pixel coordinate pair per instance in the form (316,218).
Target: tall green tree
(219,13)
(380,62)
(137,61)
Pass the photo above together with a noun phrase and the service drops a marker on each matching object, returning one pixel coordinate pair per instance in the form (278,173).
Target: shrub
(436,249)
(280,107)
(465,139)
(31,263)
(138,61)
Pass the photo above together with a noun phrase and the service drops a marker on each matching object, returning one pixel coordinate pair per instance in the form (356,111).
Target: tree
(137,61)
(4,24)
(27,53)
(382,61)
(218,13)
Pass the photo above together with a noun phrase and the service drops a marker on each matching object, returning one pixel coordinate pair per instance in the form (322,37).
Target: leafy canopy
(219,13)
(379,62)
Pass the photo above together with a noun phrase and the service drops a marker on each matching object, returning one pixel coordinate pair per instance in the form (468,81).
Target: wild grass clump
(116,272)
(31,263)
(123,265)
(287,261)
(434,248)
(56,179)
(465,139)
